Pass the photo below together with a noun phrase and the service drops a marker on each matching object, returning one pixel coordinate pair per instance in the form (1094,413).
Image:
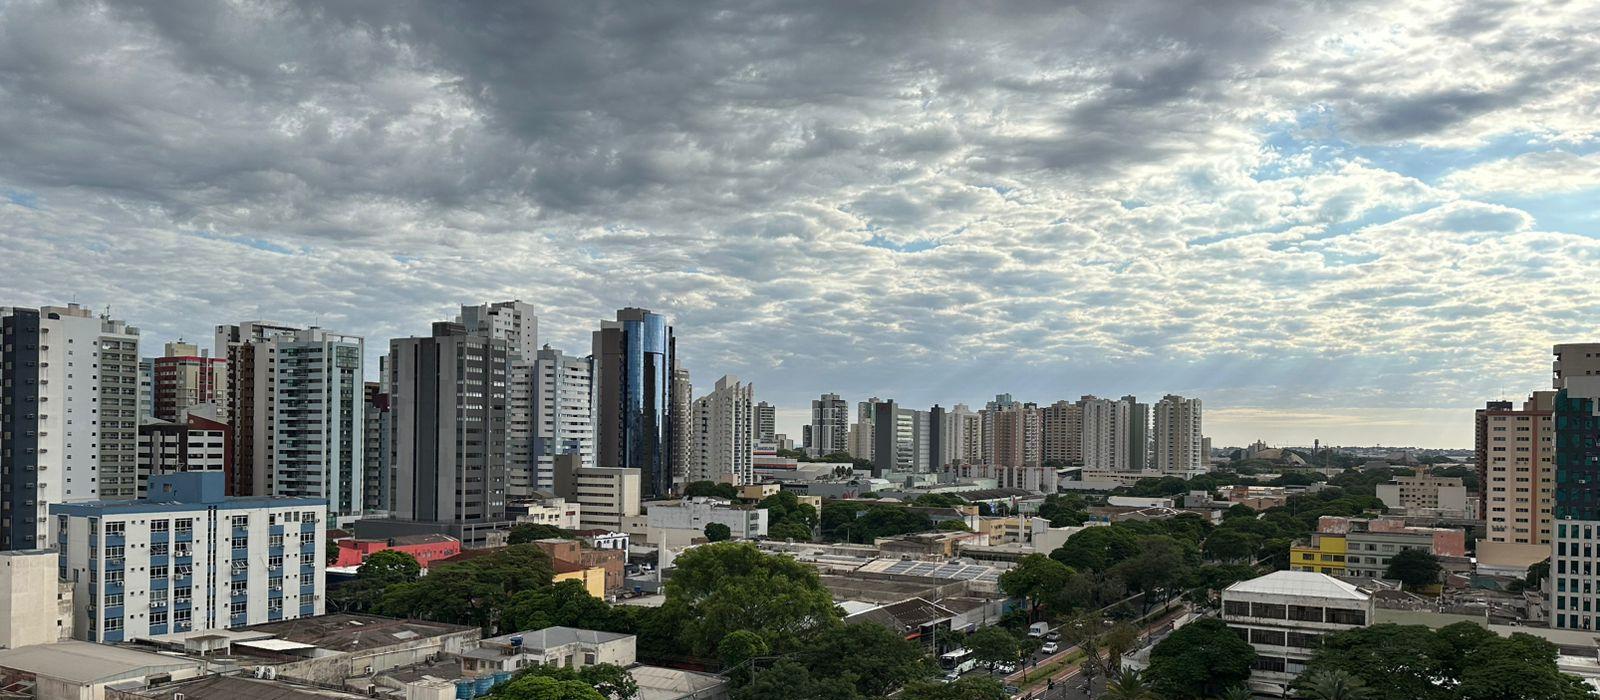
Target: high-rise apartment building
(377,433)
(1061,433)
(1515,452)
(194,444)
(307,419)
(965,435)
(1105,434)
(900,439)
(511,321)
(185,377)
(829,430)
(248,395)
(722,434)
(764,423)
(635,425)
(1015,439)
(1574,581)
(1177,443)
(189,558)
(682,414)
(563,417)
(69,415)
(1139,452)
(447,405)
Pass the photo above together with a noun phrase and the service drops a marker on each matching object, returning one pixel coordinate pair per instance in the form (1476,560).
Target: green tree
(473,592)
(1097,548)
(565,604)
(1231,545)
(710,489)
(952,526)
(1130,684)
(1035,578)
(969,688)
(380,571)
(789,680)
(1158,569)
(717,532)
(785,507)
(993,645)
(789,530)
(330,552)
(1414,568)
(738,651)
(938,500)
(1331,685)
(718,588)
(522,533)
(536,687)
(1238,510)
(872,658)
(389,567)
(1238,692)
(1200,660)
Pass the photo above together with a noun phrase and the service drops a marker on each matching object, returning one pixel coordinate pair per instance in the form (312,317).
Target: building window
(1268,663)
(185,526)
(158,572)
(1235,608)
(116,529)
(158,617)
(241,521)
(1347,617)
(1268,637)
(236,608)
(1274,611)
(158,549)
(160,525)
(275,540)
(113,623)
(1305,613)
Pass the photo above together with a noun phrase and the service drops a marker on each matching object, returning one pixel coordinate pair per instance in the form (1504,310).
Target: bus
(956,662)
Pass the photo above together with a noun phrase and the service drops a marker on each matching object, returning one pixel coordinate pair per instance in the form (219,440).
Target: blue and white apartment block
(186,558)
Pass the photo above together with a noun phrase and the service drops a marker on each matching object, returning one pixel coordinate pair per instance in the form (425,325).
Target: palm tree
(1130,684)
(1237,692)
(1336,684)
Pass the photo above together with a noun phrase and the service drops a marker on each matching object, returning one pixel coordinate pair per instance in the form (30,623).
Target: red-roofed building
(426,549)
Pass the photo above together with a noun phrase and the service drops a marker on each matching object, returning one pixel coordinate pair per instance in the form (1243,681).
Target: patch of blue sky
(915,246)
(256,243)
(22,198)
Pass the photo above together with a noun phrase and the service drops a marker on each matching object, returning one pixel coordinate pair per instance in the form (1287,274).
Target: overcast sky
(1340,220)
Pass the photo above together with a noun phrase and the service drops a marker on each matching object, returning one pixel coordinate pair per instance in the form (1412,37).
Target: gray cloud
(936,200)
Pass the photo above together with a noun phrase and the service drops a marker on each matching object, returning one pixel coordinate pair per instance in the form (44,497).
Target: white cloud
(1086,199)
(1537,173)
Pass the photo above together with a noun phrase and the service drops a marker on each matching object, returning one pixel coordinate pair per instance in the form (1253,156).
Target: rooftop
(404,540)
(85,662)
(1299,583)
(351,632)
(657,683)
(239,688)
(551,637)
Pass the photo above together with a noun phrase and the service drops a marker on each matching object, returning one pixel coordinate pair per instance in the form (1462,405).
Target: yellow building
(593,578)
(1325,555)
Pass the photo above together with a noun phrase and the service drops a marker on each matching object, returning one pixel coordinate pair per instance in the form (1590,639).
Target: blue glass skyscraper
(634,359)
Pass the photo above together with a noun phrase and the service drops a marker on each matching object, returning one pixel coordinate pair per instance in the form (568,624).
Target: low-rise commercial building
(426,549)
(1440,496)
(548,510)
(1362,548)
(77,670)
(1284,615)
(694,514)
(606,496)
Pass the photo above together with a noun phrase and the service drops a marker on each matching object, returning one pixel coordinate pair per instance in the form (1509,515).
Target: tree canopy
(1459,661)
(522,533)
(1200,660)
(710,489)
(473,592)
(719,588)
(1414,567)
(718,532)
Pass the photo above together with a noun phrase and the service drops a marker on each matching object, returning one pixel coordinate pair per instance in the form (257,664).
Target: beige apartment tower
(1515,450)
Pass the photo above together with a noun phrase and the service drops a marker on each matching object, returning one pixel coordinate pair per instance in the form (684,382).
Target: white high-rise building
(69,414)
(1177,436)
(964,428)
(189,558)
(563,413)
(511,321)
(721,434)
(1105,434)
(296,404)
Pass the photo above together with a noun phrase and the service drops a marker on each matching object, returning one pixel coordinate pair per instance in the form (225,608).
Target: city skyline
(1292,212)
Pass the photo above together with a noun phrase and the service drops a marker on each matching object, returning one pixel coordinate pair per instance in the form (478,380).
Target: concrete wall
(335,669)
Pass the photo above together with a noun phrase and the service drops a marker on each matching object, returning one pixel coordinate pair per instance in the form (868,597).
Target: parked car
(1050,648)
(1053,637)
